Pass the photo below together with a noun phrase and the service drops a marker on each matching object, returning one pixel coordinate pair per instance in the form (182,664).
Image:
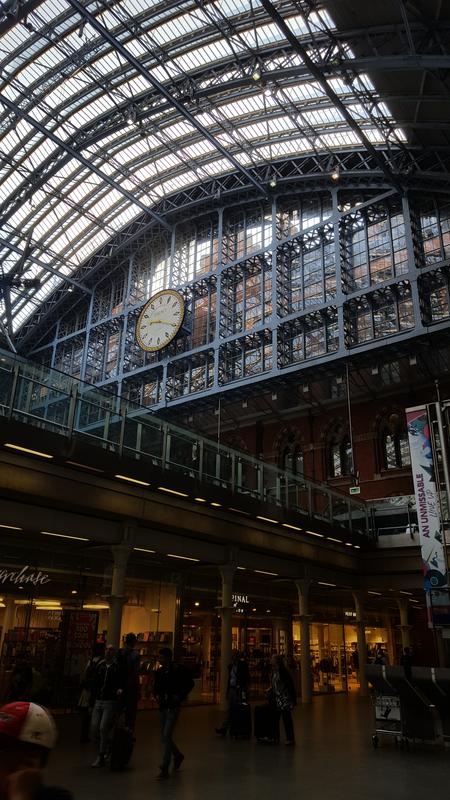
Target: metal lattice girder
(15,109)
(43,265)
(161,89)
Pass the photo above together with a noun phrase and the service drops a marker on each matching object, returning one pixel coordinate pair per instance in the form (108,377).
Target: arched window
(290,452)
(339,452)
(394,441)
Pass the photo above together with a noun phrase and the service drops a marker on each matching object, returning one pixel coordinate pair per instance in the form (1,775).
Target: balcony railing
(34,394)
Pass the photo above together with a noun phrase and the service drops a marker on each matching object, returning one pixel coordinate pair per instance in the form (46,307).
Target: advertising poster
(428,517)
(80,639)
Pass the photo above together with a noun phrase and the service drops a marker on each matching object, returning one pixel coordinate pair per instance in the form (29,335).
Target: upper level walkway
(166,457)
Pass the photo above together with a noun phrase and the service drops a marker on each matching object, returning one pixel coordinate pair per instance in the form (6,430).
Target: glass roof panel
(68,78)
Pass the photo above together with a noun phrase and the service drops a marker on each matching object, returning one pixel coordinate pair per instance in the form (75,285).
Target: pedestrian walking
(86,699)
(283,696)
(173,682)
(108,688)
(237,688)
(130,661)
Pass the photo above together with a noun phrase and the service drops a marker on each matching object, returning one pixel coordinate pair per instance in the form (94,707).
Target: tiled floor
(334,758)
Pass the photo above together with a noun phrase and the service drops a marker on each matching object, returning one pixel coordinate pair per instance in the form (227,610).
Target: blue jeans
(103,717)
(168,720)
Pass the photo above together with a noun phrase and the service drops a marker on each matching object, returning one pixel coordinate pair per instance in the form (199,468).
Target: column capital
(303,585)
(121,553)
(227,571)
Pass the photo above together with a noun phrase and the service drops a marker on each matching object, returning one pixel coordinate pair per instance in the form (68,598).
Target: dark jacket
(172,685)
(107,681)
(242,676)
(288,685)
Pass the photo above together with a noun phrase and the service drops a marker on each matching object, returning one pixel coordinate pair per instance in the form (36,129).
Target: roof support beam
(78,157)
(43,265)
(161,89)
(318,75)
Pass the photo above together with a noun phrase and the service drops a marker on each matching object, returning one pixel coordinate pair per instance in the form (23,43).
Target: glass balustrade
(39,396)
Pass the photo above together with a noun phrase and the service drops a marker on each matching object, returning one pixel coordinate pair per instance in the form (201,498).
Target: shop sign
(430,533)
(19,577)
(80,639)
(240,600)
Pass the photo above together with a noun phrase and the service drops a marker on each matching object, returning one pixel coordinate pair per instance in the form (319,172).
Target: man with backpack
(173,682)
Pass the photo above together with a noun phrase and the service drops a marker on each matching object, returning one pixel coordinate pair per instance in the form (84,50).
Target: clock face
(160,320)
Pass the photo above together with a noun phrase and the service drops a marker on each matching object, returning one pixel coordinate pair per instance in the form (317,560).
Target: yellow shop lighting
(131,480)
(65,536)
(172,491)
(27,450)
(96,606)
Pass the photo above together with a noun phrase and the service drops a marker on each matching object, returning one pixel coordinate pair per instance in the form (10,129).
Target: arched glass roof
(88,142)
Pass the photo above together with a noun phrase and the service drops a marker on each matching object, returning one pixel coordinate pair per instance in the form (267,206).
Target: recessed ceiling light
(199,499)
(239,511)
(403,592)
(348,544)
(292,527)
(84,466)
(241,567)
(331,539)
(27,450)
(267,519)
(132,480)
(324,583)
(217,505)
(357,546)
(196,603)
(11,527)
(253,609)
(172,491)
(264,572)
(65,536)
(313,533)
(377,593)
(143,550)
(185,558)
(74,591)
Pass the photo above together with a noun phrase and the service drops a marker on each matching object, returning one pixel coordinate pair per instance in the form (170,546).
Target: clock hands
(162,322)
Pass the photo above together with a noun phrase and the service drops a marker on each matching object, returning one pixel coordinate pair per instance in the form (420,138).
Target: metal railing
(39,396)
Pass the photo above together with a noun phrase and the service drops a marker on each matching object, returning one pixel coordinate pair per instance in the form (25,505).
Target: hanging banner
(431,537)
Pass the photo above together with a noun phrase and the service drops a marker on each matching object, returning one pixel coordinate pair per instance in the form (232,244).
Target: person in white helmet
(27,734)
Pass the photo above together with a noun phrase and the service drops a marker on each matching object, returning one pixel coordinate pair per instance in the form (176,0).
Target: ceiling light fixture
(335,174)
(65,536)
(84,466)
(132,480)
(11,527)
(264,572)
(96,606)
(217,505)
(172,491)
(256,74)
(292,527)
(27,450)
(273,183)
(239,511)
(324,583)
(185,558)
(199,499)
(267,519)
(313,533)
(143,550)
(331,539)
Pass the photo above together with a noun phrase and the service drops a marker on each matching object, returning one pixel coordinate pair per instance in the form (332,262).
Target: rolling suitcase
(267,727)
(241,721)
(121,747)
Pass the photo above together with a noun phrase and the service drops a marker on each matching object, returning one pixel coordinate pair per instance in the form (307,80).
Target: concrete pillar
(361,640)
(305,644)
(227,572)
(9,618)
(117,599)
(405,628)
